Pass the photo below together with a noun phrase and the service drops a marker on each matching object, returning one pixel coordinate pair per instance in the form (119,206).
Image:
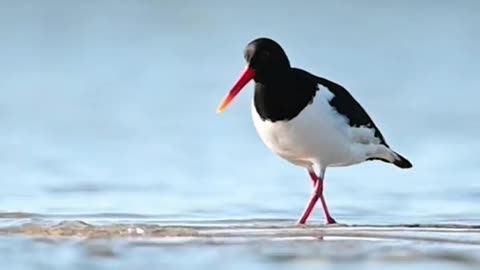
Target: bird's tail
(401,162)
(385,154)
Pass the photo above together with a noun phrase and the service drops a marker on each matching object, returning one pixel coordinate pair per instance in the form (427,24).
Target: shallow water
(108,124)
(256,244)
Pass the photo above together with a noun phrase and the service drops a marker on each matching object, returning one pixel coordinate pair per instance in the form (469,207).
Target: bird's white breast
(317,136)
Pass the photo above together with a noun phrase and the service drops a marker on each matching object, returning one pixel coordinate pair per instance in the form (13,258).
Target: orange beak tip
(222,108)
(248,75)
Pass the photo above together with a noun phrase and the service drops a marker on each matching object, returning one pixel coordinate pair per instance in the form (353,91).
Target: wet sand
(249,243)
(252,230)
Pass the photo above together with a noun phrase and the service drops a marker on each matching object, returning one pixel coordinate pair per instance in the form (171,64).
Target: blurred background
(108,115)
(109,108)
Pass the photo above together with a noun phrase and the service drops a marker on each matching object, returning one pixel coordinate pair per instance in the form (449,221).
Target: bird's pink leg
(314,177)
(318,194)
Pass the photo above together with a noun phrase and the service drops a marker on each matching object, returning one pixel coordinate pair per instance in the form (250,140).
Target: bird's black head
(267,62)
(266,58)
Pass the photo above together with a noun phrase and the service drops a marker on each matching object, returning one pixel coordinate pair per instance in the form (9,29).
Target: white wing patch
(325,92)
(363,134)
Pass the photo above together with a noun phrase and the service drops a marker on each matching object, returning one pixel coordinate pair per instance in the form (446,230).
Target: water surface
(107,115)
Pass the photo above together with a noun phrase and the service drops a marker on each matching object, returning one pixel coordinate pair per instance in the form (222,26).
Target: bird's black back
(283,98)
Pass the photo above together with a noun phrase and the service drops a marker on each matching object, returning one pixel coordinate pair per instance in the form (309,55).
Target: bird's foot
(330,221)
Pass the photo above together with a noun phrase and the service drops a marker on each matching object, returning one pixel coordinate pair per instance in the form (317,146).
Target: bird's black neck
(285,95)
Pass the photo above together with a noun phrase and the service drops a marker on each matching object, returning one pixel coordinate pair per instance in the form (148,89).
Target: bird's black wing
(346,105)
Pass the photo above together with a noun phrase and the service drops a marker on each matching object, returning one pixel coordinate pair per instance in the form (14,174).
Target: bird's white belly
(316,137)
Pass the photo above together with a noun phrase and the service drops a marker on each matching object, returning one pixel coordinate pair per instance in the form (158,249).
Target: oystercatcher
(308,120)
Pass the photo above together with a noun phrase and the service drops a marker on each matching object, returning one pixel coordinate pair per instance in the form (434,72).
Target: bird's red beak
(246,77)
